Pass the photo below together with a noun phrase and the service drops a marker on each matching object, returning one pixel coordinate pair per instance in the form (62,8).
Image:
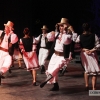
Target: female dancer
(28,49)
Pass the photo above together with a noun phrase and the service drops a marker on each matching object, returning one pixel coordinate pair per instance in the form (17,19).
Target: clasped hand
(88,52)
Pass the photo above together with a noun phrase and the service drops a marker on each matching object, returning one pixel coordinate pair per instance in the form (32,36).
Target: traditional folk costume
(62,54)
(28,46)
(17,54)
(44,46)
(6,49)
(72,46)
(60,57)
(90,62)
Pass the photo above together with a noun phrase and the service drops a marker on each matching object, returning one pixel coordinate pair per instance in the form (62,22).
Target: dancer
(17,56)
(61,56)
(74,37)
(44,46)
(29,54)
(89,43)
(7,40)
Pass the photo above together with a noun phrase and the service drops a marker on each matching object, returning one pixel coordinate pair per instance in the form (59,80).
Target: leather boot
(10,71)
(64,69)
(42,69)
(1,75)
(55,87)
(47,79)
(0,80)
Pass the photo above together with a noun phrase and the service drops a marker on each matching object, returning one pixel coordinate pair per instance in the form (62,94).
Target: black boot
(10,71)
(0,80)
(42,69)
(56,87)
(60,71)
(1,75)
(47,79)
(64,70)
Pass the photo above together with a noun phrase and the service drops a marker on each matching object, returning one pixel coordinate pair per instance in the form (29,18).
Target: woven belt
(59,53)
(3,49)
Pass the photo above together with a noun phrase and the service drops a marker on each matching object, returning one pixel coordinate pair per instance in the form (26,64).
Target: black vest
(87,41)
(66,49)
(48,44)
(28,44)
(52,48)
(10,46)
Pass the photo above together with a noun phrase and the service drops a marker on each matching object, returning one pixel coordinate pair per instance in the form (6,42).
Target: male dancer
(7,40)
(61,56)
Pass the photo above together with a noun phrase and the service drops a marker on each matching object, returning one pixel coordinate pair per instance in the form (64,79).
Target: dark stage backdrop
(35,13)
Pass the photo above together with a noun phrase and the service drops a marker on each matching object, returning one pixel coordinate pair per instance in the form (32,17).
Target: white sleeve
(35,41)
(14,38)
(1,32)
(37,38)
(34,44)
(51,36)
(74,36)
(66,39)
(21,45)
(78,39)
(97,42)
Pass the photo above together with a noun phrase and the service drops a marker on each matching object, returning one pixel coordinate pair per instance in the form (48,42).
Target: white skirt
(90,63)
(32,63)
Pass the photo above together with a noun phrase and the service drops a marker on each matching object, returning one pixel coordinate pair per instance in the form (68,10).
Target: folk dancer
(74,37)
(89,45)
(60,57)
(28,49)
(43,46)
(7,40)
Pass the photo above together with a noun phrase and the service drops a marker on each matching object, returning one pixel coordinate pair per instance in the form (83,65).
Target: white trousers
(5,61)
(43,54)
(55,64)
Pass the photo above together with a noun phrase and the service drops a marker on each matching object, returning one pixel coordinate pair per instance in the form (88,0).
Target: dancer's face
(61,28)
(44,31)
(7,29)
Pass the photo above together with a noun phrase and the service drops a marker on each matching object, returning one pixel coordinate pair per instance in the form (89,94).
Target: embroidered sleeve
(66,39)
(51,36)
